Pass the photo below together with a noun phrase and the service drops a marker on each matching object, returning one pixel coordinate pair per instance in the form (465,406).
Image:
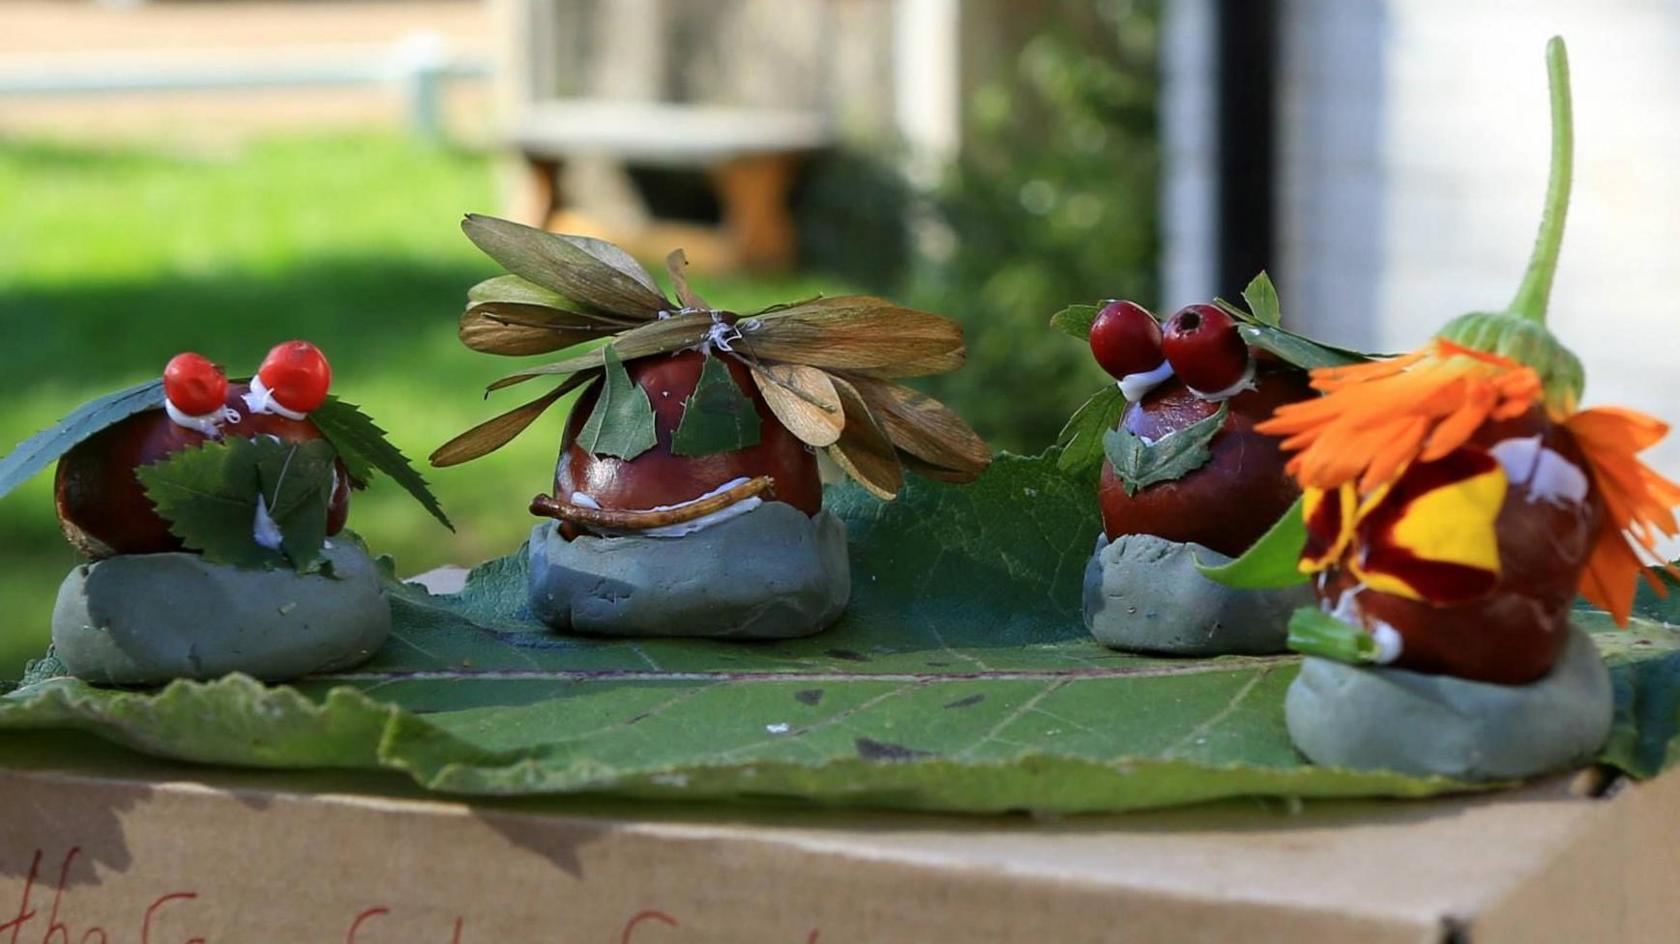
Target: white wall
(1414,139)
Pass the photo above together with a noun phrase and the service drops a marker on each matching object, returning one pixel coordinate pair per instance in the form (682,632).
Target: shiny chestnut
(104,511)
(1242,490)
(659,477)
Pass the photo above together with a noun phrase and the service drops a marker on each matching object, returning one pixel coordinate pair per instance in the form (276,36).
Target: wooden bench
(750,156)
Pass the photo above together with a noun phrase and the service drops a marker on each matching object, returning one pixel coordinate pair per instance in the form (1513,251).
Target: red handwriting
(630,926)
(368,915)
(59,927)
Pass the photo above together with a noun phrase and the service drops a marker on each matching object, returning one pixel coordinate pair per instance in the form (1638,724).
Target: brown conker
(660,477)
(1514,634)
(102,508)
(1242,490)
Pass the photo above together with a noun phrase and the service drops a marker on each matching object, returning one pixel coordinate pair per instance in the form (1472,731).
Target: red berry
(194,384)
(1205,350)
(297,374)
(1126,339)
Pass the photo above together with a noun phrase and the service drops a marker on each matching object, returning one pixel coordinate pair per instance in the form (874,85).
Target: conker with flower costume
(696,430)
(1458,498)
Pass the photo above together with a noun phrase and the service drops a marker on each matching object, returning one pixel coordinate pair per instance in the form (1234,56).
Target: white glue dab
(1546,473)
(210,424)
(264,529)
(260,399)
(1245,382)
(1135,387)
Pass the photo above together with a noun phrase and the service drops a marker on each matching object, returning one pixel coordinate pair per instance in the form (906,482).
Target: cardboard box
(99,846)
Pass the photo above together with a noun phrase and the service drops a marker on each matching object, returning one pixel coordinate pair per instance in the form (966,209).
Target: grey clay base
(1347,716)
(145,619)
(771,573)
(1144,594)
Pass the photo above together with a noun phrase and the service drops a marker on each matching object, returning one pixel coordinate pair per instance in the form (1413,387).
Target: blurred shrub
(1052,203)
(852,210)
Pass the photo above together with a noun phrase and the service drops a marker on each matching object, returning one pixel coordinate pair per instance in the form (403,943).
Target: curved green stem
(1536,288)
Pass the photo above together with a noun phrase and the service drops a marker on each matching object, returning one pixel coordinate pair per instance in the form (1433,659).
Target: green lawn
(112,261)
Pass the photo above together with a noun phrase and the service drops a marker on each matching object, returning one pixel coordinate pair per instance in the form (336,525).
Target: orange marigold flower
(1638,504)
(1375,419)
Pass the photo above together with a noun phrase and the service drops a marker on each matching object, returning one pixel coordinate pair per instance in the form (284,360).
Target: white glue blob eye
(1546,474)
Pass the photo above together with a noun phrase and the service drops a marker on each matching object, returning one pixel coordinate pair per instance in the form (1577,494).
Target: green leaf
(960,679)
(1296,349)
(1075,320)
(717,417)
(210,497)
(1081,440)
(1314,632)
(1262,299)
(1271,562)
(364,448)
(622,422)
(1140,465)
(47,446)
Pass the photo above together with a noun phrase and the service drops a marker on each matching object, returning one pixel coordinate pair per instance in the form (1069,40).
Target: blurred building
(1407,166)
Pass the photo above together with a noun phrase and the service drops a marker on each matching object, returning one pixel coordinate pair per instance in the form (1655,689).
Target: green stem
(1536,288)
(1313,632)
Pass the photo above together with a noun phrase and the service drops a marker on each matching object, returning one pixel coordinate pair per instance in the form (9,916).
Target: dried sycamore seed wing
(520,330)
(942,362)
(805,401)
(655,337)
(864,450)
(928,470)
(675,263)
(851,333)
(513,290)
(497,432)
(590,271)
(924,427)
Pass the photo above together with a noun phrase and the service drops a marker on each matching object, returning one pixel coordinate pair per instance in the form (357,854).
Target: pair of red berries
(295,373)
(1201,342)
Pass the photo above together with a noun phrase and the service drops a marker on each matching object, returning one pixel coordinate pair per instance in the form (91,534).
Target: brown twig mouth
(612,519)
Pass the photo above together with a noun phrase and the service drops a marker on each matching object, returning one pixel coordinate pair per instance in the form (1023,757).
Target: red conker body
(1242,490)
(1515,634)
(298,375)
(194,384)
(104,511)
(1204,348)
(659,477)
(1126,339)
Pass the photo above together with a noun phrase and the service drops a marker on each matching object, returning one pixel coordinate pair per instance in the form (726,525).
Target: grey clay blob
(1349,716)
(145,619)
(771,573)
(1144,594)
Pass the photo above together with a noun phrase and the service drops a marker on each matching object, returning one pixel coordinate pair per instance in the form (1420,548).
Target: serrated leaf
(1139,464)
(1272,561)
(1081,440)
(621,424)
(296,482)
(1075,320)
(855,333)
(210,497)
(960,679)
(1262,298)
(803,399)
(717,416)
(498,431)
(49,445)
(364,448)
(864,451)
(590,271)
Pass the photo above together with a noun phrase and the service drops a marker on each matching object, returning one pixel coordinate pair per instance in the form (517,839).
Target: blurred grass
(111,261)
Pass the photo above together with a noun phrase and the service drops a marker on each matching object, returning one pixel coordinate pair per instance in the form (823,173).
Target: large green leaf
(960,679)
(42,449)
